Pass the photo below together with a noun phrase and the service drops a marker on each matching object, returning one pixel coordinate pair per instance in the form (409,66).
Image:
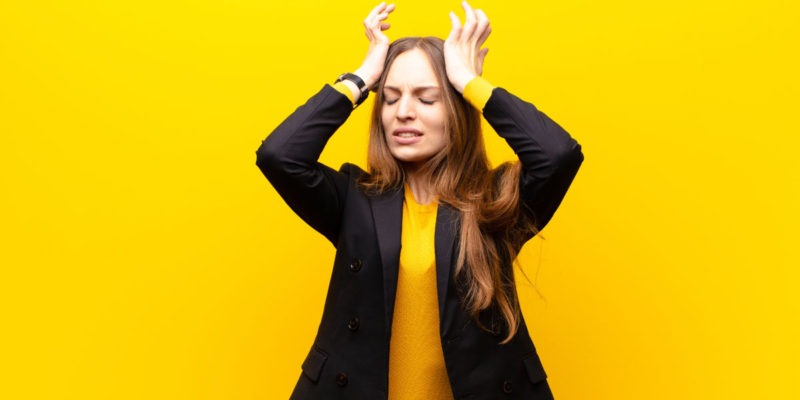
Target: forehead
(411,69)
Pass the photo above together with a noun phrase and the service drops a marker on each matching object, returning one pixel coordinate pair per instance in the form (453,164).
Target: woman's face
(413,111)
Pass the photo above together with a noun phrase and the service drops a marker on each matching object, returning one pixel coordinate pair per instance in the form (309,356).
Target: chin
(405,157)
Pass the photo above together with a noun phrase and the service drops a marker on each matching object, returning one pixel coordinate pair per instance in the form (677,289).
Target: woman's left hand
(463,55)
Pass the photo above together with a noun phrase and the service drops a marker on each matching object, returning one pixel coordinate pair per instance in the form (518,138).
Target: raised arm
(550,157)
(288,156)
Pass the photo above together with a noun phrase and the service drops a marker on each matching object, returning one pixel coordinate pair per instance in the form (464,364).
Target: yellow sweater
(416,361)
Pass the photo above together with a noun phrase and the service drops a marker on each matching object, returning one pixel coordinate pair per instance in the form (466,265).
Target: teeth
(407,134)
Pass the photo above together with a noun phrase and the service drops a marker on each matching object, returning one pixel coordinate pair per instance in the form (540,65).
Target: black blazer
(350,355)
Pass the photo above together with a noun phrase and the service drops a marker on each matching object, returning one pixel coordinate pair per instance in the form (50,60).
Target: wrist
(369,79)
(461,81)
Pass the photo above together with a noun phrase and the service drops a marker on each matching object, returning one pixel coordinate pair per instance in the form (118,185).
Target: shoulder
(361,182)
(355,175)
(351,170)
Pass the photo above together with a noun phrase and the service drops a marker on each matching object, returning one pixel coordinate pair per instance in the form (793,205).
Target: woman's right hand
(372,67)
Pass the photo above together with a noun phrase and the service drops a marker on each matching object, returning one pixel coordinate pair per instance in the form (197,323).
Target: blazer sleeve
(550,157)
(288,158)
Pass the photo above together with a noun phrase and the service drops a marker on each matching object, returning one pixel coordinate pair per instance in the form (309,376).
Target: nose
(405,108)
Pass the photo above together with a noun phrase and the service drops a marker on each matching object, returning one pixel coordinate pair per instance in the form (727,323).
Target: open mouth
(407,133)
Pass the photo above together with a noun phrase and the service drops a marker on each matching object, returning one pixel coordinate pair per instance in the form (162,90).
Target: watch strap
(362,87)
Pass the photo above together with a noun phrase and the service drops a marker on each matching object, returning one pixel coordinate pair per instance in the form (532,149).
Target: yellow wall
(144,256)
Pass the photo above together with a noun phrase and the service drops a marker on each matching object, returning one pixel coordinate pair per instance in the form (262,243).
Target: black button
(355,265)
(341,379)
(353,324)
(507,387)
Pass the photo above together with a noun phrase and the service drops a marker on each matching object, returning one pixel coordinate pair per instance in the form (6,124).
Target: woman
(422,302)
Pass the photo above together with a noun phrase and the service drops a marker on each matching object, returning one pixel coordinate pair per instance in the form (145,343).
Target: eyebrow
(415,89)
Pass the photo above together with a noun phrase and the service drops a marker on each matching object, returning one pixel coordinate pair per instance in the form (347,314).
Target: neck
(420,187)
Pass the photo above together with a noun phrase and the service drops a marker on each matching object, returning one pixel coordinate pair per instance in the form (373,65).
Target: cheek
(436,123)
(385,120)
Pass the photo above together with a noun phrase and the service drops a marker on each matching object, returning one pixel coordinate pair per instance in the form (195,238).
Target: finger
(374,23)
(481,16)
(482,23)
(380,12)
(383,14)
(470,21)
(382,26)
(455,27)
(377,9)
(482,38)
(481,57)
(484,28)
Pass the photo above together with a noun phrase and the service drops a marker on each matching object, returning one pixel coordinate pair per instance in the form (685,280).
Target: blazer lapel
(446,232)
(387,212)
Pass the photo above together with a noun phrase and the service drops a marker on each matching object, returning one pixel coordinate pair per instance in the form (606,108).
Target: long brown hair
(492,225)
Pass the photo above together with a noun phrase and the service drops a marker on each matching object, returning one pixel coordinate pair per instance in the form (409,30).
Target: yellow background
(144,256)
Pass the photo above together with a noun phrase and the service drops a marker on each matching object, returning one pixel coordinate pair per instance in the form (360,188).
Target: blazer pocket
(312,366)
(534,368)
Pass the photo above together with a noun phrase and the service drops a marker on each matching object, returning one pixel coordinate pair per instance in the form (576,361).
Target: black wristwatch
(362,87)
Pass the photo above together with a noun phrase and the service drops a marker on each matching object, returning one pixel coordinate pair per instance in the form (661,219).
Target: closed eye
(425,101)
